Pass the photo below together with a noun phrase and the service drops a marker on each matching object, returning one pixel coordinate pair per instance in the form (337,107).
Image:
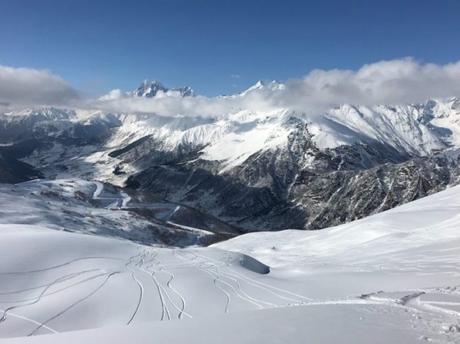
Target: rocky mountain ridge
(263,170)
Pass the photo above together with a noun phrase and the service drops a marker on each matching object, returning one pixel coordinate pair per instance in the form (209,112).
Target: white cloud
(27,86)
(387,82)
(112,95)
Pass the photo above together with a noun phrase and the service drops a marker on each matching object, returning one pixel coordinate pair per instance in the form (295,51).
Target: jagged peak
(272,85)
(150,88)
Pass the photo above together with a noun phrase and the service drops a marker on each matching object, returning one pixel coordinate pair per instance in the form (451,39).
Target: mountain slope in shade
(15,171)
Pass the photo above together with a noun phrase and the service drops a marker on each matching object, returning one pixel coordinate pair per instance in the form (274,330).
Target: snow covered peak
(397,126)
(260,85)
(443,117)
(149,89)
(186,91)
(257,86)
(42,113)
(152,88)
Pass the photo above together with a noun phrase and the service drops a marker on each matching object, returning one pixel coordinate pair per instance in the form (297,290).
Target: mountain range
(254,170)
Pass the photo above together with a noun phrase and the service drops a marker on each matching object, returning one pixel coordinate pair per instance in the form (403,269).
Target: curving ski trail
(74,303)
(141,295)
(180,309)
(255,281)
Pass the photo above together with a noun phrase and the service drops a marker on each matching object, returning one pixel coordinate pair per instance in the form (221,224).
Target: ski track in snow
(108,276)
(215,279)
(256,283)
(32,321)
(46,287)
(181,308)
(160,290)
(141,295)
(182,299)
(58,265)
(37,299)
(222,274)
(233,285)
(64,278)
(412,300)
(163,290)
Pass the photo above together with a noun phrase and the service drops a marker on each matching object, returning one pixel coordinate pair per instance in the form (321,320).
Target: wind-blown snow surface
(390,278)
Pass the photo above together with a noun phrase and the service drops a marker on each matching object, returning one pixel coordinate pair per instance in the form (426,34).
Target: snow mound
(253,264)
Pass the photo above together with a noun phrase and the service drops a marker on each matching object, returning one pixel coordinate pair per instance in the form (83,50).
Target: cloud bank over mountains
(393,82)
(28,87)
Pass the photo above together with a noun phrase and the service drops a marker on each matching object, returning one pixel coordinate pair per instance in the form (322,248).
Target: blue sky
(219,47)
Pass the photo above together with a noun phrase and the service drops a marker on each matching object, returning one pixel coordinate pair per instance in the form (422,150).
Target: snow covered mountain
(261,85)
(269,169)
(152,88)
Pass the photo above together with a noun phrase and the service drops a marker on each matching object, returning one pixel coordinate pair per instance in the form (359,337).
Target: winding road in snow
(115,201)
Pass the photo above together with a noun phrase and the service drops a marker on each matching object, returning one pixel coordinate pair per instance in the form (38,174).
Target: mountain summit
(261,85)
(152,88)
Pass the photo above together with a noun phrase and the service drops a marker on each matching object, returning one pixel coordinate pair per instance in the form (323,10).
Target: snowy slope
(55,281)
(392,277)
(344,324)
(426,229)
